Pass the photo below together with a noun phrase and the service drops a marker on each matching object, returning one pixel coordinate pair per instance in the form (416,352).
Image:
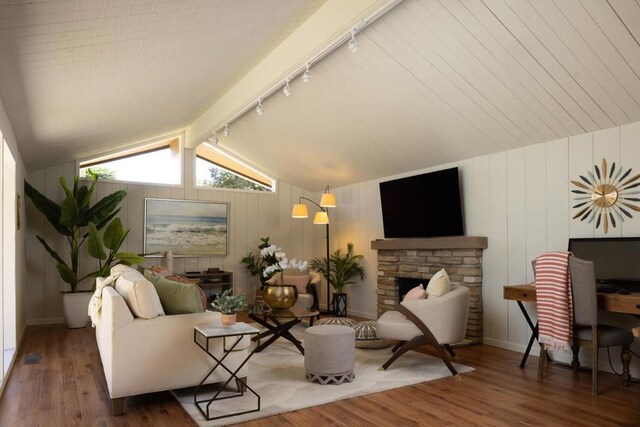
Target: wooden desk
(616,303)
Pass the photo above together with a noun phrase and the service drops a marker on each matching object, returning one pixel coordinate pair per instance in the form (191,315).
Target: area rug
(277,374)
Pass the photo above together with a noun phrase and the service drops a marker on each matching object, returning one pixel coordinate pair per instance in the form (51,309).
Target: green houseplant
(78,222)
(229,305)
(343,267)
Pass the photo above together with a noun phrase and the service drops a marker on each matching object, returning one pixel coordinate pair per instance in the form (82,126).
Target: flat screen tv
(616,259)
(426,205)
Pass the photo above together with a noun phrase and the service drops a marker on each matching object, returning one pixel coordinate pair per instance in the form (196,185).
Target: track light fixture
(226,131)
(260,108)
(306,76)
(353,43)
(286,89)
(213,139)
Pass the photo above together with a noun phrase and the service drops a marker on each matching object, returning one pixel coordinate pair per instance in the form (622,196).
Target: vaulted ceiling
(433,81)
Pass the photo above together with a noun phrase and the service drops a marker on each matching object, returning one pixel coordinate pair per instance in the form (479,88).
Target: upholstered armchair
(437,321)
(307,285)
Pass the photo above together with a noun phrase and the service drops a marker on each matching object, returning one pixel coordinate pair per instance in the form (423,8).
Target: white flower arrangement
(282,262)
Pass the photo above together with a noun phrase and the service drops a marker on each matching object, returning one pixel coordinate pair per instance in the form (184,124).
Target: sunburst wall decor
(606,195)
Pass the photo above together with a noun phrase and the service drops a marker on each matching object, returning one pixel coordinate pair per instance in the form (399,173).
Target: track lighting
(213,139)
(226,131)
(286,89)
(306,77)
(260,108)
(353,43)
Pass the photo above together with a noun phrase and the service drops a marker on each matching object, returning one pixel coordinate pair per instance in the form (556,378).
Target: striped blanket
(554,301)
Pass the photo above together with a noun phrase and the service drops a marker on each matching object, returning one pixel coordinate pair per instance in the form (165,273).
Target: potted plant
(343,267)
(229,305)
(280,296)
(79,222)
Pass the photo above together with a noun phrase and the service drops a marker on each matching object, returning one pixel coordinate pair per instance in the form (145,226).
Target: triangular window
(216,168)
(157,162)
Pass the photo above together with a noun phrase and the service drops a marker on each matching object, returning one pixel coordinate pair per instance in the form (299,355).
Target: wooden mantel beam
(454,242)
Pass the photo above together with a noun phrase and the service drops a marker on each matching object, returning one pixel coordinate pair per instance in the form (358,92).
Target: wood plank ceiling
(438,81)
(77,76)
(433,81)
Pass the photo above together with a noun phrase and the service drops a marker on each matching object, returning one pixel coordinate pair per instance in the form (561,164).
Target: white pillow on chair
(439,284)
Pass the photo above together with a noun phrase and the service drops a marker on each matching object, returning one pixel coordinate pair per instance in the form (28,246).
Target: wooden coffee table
(279,323)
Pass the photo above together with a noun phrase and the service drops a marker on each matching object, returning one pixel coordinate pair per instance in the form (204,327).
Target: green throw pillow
(176,298)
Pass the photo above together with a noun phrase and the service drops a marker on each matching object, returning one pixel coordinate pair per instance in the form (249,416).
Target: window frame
(133,148)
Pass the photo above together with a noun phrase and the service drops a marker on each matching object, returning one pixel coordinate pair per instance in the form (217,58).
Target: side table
(272,320)
(203,334)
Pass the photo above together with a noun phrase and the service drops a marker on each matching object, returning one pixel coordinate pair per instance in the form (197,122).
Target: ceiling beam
(317,34)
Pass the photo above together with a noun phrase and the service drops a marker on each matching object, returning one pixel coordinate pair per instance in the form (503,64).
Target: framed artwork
(185,227)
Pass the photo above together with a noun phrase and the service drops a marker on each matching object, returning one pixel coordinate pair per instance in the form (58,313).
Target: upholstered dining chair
(587,332)
(437,321)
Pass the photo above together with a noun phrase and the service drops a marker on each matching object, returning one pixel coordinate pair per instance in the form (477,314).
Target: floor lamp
(328,200)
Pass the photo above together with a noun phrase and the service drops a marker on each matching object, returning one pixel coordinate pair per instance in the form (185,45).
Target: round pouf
(344,321)
(366,336)
(329,353)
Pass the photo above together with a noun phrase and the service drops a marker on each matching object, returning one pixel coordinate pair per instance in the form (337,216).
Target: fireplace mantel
(454,242)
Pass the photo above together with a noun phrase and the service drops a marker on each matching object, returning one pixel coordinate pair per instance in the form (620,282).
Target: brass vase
(280,297)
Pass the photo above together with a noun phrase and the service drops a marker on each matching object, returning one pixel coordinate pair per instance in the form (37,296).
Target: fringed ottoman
(330,353)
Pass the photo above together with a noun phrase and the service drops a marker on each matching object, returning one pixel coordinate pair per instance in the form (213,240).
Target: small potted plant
(229,305)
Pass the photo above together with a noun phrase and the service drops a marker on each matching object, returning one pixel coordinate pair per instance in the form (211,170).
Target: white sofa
(149,355)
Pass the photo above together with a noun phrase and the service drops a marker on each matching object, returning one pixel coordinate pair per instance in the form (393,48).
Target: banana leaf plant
(74,219)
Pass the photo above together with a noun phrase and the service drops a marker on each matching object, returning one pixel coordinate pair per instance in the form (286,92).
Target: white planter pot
(76,309)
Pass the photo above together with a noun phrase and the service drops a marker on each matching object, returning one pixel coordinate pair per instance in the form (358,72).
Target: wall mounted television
(616,260)
(426,205)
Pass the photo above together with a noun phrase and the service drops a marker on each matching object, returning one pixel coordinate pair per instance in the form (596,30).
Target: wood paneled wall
(520,200)
(251,216)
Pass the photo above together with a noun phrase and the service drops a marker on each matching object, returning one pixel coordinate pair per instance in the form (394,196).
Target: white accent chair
(437,321)
(149,355)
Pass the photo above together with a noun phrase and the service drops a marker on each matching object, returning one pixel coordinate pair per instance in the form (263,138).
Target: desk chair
(586,330)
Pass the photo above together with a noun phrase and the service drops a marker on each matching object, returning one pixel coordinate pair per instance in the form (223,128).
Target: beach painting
(185,227)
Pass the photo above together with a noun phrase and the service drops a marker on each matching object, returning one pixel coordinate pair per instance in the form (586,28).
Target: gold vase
(280,297)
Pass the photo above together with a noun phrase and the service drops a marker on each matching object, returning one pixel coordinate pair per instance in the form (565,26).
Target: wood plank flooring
(68,389)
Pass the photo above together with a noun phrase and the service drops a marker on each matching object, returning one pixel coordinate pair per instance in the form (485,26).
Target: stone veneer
(461,257)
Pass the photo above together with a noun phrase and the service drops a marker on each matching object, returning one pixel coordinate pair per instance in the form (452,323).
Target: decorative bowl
(280,297)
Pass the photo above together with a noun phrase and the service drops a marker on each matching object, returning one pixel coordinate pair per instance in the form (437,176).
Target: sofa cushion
(139,294)
(439,284)
(176,297)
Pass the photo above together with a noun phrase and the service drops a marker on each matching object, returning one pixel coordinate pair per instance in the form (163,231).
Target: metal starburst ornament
(606,195)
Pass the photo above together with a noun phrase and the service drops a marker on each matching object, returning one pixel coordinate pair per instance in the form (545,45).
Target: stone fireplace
(418,258)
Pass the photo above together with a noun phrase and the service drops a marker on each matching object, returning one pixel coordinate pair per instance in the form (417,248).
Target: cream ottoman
(329,353)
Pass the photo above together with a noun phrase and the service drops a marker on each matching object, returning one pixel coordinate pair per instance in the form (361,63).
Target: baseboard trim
(49,321)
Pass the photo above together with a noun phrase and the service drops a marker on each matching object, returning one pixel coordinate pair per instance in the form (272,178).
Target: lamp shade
(299,211)
(321,218)
(328,200)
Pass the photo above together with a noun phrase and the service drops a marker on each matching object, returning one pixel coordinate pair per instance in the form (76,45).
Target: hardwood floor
(67,388)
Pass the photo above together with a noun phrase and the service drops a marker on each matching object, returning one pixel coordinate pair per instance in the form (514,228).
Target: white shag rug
(277,374)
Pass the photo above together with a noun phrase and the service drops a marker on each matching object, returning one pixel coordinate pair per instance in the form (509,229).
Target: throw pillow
(416,293)
(160,270)
(439,284)
(186,280)
(176,298)
(138,293)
